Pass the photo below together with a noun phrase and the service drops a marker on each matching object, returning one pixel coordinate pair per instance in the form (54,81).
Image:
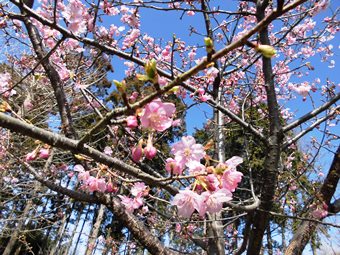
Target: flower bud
(150,151)
(137,152)
(131,121)
(121,86)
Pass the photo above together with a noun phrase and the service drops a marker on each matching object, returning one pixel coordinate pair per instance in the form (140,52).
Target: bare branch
(311,114)
(310,128)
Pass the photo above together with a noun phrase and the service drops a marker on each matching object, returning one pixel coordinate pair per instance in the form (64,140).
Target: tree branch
(178,80)
(72,145)
(310,128)
(311,114)
(307,228)
(140,232)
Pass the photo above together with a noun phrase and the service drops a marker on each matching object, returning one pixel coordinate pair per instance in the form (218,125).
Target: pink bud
(131,121)
(150,151)
(44,153)
(28,104)
(137,152)
(31,156)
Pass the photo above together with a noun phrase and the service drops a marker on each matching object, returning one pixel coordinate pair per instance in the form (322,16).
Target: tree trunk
(95,230)
(76,222)
(21,224)
(307,228)
(81,230)
(269,241)
(272,160)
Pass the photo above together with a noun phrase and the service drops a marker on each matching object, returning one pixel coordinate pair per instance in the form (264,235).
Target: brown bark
(16,231)
(271,164)
(95,230)
(307,228)
(54,78)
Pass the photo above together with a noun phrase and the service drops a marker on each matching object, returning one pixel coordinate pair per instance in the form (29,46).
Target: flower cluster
(149,151)
(91,183)
(39,152)
(213,184)
(75,14)
(5,81)
(138,191)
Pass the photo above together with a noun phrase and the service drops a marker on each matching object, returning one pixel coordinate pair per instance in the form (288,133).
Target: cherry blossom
(158,115)
(187,150)
(96,184)
(131,121)
(131,203)
(139,189)
(231,177)
(5,81)
(75,14)
(172,167)
(31,156)
(44,153)
(137,152)
(186,201)
(213,202)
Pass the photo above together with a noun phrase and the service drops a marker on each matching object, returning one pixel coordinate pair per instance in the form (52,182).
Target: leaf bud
(121,86)
(209,45)
(151,70)
(267,51)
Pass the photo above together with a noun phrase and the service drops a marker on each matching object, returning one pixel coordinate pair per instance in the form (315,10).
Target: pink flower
(162,81)
(5,84)
(139,189)
(111,188)
(192,54)
(78,168)
(28,104)
(213,202)
(178,228)
(84,176)
(75,14)
(131,121)
(320,212)
(187,150)
(158,115)
(133,96)
(233,162)
(44,153)
(95,184)
(212,182)
(186,201)
(131,203)
(128,203)
(176,123)
(108,151)
(230,179)
(172,167)
(190,13)
(212,73)
(195,167)
(303,89)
